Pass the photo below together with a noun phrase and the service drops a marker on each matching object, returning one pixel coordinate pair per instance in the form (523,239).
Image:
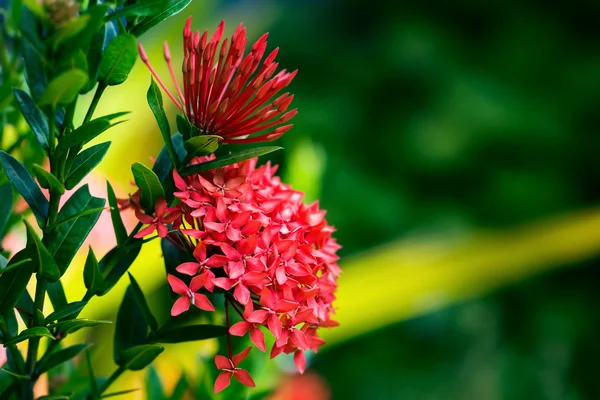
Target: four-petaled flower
(229,368)
(189,295)
(157,222)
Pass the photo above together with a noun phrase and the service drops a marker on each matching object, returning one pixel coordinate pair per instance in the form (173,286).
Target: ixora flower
(227,93)
(273,256)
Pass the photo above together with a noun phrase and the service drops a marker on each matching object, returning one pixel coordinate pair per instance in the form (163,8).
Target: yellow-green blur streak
(410,278)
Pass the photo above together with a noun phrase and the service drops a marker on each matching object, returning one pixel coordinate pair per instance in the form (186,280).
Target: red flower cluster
(273,255)
(226,93)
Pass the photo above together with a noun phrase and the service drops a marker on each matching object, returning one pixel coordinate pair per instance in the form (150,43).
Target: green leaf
(92,277)
(38,331)
(14,282)
(92,377)
(189,333)
(56,293)
(114,265)
(17,264)
(94,56)
(140,8)
(85,162)
(233,158)
(60,357)
(131,329)
(47,180)
(25,307)
(70,29)
(77,60)
(34,117)
(180,388)
(143,304)
(156,105)
(26,186)
(119,393)
(154,389)
(118,59)
(69,236)
(35,66)
(173,256)
(184,126)
(88,131)
(64,88)
(45,264)
(202,145)
(55,397)
(139,357)
(163,167)
(15,374)
(115,215)
(83,39)
(6,204)
(173,7)
(70,310)
(73,325)
(148,182)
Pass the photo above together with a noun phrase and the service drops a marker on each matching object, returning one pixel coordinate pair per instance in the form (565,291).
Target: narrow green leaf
(69,236)
(77,60)
(64,88)
(139,357)
(140,8)
(47,180)
(34,117)
(180,388)
(232,158)
(73,325)
(12,325)
(76,216)
(163,167)
(6,204)
(88,131)
(26,186)
(189,333)
(148,182)
(25,307)
(17,264)
(131,329)
(84,38)
(154,388)
(143,304)
(118,59)
(202,145)
(85,162)
(56,293)
(55,397)
(61,356)
(173,256)
(114,265)
(184,126)
(45,264)
(70,310)
(70,29)
(92,277)
(14,282)
(35,66)
(115,215)
(38,331)
(174,7)
(94,56)
(155,102)
(15,374)
(92,376)
(120,393)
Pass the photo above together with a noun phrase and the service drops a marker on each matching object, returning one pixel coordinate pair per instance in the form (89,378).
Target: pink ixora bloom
(229,93)
(189,295)
(229,368)
(157,222)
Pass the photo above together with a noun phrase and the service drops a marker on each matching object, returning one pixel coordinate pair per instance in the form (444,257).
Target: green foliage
(70,29)
(202,145)
(34,117)
(68,311)
(73,325)
(47,180)
(149,184)
(118,60)
(173,7)
(114,265)
(143,304)
(128,335)
(189,333)
(84,163)
(88,131)
(140,9)
(228,159)
(115,215)
(59,357)
(45,265)
(14,282)
(92,277)
(139,357)
(156,105)
(64,88)
(38,331)
(6,204)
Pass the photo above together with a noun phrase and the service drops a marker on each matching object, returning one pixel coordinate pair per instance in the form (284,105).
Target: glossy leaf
(143,304)
(154,388)
(14,282)
(118,59)
(47,180)
(35,67)
(88,131)
(202,145)
(38,331)
(228,159)
(77,60)
(114,265)
(91,375)
(70,29)
(73,325)
(69,236)
(184,126)
(140,8)
(67,311)
(92,277)
(4,268)
(60,357)
(25,307)
(26,186)
(94,56)
(84,163)
(139,357)
(119,393)
(131,328)
(84,38)
(44,263)
(149,184)
(115,215)
(34,117)
(6,204)
(172,8)
(64,88)
(163,167)
(15,374)
(56,293)
(173,256)
(189,333)
(155,102)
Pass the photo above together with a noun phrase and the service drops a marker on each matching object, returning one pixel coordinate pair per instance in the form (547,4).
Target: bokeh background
(455,146)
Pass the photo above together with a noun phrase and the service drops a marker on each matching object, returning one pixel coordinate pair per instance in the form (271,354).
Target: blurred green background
(454,145)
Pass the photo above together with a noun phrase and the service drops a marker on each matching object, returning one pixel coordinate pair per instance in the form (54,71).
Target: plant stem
(34,343)
(13,349)
(95,100)
(227,325)
(111,379)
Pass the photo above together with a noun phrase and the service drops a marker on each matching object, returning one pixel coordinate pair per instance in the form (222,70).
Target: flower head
(229,368)
(227,92)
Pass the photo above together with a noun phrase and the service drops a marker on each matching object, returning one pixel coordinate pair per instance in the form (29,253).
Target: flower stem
(227,325)
(34,343)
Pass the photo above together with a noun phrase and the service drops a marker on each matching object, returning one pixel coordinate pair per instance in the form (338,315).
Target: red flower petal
(223,380)
(300,361)
(177,284)
(244,377)
(181,305)
(240,328)
(202,302)
(238,358)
